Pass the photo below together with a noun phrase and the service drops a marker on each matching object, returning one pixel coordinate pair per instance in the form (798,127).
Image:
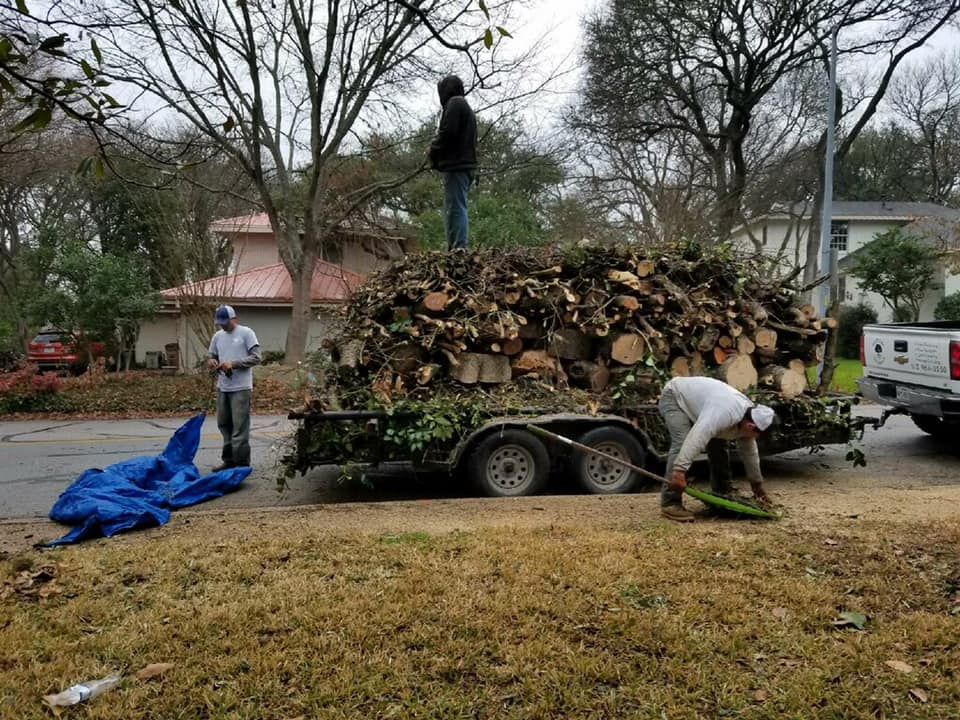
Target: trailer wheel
(509,463)
(935,426)
(600,476)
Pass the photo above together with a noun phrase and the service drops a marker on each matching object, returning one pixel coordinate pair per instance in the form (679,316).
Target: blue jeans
(455,187)
(678,424)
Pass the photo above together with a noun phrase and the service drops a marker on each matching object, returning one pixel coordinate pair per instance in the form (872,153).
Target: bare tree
(705,69)
(926,96)
(281,87)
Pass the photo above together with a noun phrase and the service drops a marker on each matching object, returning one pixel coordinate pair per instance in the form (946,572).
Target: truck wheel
(510,463)
(935,426)
(600,476)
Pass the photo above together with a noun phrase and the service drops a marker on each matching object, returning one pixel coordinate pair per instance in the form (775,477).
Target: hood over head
(450,86)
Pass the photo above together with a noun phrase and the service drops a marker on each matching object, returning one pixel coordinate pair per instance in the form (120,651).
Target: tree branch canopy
(281,86)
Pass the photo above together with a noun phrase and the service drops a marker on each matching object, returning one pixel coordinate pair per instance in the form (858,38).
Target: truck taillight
(955,359)
(863,357)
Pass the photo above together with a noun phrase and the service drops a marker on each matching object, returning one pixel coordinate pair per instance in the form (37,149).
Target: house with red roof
(258,287)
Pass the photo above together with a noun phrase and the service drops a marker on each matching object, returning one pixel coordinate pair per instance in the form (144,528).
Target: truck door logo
(878,353)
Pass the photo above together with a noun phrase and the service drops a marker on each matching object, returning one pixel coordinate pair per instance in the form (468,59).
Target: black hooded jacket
(454,147)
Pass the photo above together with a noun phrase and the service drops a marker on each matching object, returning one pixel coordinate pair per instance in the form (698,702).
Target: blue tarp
(140,492)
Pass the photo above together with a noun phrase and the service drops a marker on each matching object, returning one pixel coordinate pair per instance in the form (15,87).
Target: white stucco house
(258,286)
(783,234)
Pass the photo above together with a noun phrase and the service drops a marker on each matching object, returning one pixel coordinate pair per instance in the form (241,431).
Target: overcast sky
(563,22)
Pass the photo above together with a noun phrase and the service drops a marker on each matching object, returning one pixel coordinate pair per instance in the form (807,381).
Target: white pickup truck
(914,368)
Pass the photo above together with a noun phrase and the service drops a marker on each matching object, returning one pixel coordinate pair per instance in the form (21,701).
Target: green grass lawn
(844,377)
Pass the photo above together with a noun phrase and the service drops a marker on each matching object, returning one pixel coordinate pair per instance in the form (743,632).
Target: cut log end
(628,349)
(738,371)
(786,381)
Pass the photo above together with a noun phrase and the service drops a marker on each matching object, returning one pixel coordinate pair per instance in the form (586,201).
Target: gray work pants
(678,424)
(233,419)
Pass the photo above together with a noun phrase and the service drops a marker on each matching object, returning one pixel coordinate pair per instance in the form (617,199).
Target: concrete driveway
(39,459)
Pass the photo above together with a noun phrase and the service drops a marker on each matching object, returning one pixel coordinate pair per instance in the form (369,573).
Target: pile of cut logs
(590,316)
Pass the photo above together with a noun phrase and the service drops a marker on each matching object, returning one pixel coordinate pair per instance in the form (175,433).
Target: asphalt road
(38,459)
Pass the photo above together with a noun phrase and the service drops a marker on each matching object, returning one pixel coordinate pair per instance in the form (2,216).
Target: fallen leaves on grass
(899,666)
(37,584)
(920,695)
(851,618)
(139,393)
(154,670)
(288,618)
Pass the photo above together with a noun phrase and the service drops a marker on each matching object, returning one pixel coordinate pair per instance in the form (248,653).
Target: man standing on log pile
(703,414)
(453,152)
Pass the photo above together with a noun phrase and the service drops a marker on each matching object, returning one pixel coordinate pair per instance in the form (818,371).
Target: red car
(60,349)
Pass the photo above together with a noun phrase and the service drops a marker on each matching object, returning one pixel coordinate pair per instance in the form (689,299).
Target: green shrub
(948,308)
(273,356)
(852,319)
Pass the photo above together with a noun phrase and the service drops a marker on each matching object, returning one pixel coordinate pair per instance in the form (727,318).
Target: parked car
(63,350)
(914,369)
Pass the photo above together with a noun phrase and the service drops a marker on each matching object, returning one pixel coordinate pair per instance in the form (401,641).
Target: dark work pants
(455,188)
(233,419)
(718,455)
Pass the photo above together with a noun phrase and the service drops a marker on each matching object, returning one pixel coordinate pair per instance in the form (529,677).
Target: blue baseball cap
(224,315)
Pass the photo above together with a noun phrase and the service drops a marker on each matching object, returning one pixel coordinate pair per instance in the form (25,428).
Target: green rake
(704,497)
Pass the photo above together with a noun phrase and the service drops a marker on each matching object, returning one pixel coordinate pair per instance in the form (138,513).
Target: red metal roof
(270,284)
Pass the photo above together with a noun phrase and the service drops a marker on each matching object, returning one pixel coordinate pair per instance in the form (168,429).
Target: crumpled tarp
(140,492)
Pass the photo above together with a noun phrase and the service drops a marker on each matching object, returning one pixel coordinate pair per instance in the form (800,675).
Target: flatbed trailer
(501,457)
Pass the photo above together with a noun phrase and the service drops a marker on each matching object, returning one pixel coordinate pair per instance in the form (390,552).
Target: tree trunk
(467,371)
(829,354)
(628,349)
(594,376)
(571,344)
(495,369)
(738,371)
(745,346)
(787,382)
(811,266)
(301,279)
(766,339)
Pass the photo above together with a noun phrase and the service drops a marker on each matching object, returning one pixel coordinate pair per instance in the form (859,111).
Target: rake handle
(536,430)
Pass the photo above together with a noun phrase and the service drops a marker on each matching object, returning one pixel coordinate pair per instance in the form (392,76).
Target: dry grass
(714,620)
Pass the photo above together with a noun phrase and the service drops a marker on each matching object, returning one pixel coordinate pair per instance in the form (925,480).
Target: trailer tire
(509,463)
(601,477)
(936,427)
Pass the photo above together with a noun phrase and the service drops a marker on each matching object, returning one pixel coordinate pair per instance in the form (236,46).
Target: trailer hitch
(877,423)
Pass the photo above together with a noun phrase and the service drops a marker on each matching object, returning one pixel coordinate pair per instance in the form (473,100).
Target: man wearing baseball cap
(702,414)
(234,350)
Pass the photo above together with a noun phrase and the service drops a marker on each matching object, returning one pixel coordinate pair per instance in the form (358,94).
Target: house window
(331,252)
(839,230)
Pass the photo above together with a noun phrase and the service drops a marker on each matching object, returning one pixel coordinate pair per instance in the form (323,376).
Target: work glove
(761,495)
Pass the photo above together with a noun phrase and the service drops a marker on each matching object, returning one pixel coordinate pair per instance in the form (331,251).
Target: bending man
(702,414)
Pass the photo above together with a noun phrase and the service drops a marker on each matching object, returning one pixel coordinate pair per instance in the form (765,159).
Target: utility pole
(829,292)
(826,220)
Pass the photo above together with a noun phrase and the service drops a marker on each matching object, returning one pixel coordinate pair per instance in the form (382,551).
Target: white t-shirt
(239,347)
(715,409)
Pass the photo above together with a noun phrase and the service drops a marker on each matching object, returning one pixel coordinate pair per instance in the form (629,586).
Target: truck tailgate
(914,356)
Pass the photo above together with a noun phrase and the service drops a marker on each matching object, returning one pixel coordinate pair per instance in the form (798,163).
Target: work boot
(676,512)
(221,467)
